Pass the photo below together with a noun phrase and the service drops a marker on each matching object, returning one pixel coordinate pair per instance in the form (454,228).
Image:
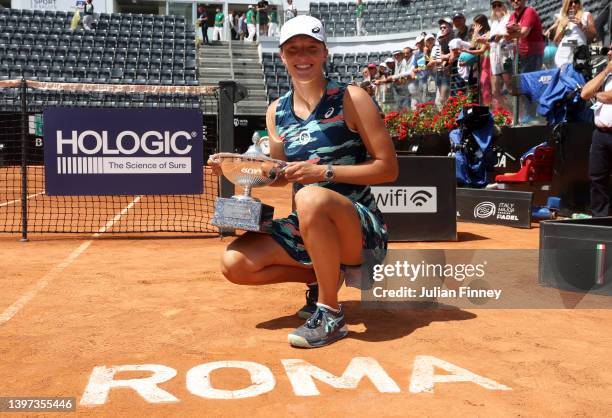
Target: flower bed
(427,119)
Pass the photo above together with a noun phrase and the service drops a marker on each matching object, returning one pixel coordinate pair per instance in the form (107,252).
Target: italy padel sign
(122,151)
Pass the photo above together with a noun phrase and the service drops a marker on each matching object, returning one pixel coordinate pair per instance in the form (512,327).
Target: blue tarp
(550,89)
(471,170)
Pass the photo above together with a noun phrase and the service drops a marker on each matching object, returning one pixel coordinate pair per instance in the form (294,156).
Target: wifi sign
(420,197)
(406,199)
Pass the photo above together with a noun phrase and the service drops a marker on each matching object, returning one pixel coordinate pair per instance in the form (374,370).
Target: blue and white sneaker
(322,328)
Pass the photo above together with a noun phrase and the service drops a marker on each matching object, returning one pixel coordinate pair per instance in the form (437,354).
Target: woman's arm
(361,116)
(478,51)
(276,146)
(552,30)
(589,30)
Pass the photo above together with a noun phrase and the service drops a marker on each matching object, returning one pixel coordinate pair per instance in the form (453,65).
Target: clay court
(71,303)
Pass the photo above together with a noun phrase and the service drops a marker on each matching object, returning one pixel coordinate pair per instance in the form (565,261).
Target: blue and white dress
(324,138)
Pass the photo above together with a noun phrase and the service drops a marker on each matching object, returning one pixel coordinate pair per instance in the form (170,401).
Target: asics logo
(331,323)
(329,112)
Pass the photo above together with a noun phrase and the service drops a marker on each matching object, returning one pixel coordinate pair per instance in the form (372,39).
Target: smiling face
(445,29)
(518,4)
(304,58)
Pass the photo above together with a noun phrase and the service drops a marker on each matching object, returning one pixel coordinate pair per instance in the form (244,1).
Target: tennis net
(24,206)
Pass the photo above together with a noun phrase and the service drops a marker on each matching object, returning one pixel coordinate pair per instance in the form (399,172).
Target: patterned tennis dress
(324,138)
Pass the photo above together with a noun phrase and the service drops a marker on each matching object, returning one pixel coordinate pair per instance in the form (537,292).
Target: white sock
(322,305)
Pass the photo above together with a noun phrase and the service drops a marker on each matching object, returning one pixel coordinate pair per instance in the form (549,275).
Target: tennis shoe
(322,328)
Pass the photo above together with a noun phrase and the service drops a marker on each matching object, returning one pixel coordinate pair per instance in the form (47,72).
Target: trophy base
(248,215)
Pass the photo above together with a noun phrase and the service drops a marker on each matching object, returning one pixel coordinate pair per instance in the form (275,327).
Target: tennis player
(336,144)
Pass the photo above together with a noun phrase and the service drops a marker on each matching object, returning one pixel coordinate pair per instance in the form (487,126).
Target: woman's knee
(312,203)
(234,267)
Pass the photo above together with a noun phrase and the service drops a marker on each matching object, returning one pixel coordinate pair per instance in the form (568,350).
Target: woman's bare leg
(256,259)
(331,231)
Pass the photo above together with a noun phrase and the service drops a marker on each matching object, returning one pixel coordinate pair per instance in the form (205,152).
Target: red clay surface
(160,299)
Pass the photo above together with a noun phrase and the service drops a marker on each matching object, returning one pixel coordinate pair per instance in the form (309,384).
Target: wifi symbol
(420,197)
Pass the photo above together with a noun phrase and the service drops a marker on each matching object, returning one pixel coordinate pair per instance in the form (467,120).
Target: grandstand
(385,17)
(123,49)
(155,50)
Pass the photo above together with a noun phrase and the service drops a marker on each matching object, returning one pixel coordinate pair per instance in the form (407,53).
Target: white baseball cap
(419,38)
(430,36)
(458,43)
(389,60)
(302,25)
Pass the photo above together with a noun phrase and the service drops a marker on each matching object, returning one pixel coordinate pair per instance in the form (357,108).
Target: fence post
(225,123)
(516,98)
(24,160)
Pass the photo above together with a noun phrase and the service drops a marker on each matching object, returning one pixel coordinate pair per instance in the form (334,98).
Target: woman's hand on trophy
(215,164)
(304,172)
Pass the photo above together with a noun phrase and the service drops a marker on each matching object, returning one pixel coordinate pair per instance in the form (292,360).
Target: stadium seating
(33,38)
(122,49)
(384,17)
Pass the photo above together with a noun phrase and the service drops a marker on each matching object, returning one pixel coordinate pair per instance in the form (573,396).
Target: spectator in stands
(330,166)
(439,61)
(480,47)
(273,25)
(402,76)
(232,19)
(427,72)
(461,30)
(525,26)
(599,89)
(290,11)
(218,29)
(250,21)
(381,83)
(242,26)
(573,27)
(359,11)
(370,73)
(88,12)
(262,17)
(461,76)
(500,53)
(203,23)
(409,69)
(420,71)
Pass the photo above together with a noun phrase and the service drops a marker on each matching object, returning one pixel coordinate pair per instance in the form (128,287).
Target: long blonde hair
(564,18)
(493,16)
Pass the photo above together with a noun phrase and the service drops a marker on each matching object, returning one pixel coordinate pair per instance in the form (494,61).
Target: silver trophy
(248,170)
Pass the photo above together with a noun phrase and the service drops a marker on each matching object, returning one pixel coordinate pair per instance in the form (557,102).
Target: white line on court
(12,310)
(10,202)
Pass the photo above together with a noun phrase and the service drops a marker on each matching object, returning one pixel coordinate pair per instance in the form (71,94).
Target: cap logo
(316,29)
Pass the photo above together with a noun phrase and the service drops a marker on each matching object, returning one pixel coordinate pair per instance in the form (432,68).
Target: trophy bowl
(248,170)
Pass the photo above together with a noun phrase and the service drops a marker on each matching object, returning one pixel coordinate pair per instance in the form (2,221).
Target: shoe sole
(297,341)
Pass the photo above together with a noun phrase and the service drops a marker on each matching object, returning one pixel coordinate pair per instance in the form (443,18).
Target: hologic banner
(122,151)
